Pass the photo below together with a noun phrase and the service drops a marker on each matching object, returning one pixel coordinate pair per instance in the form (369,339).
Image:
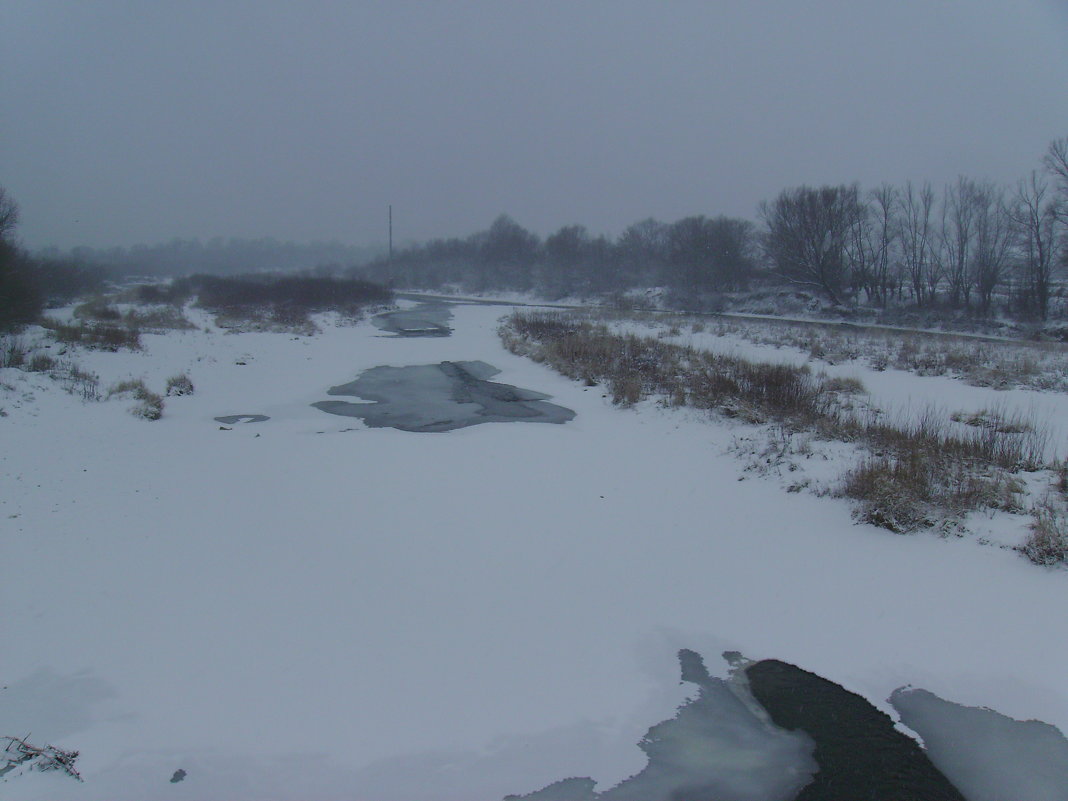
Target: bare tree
(1035,214)
(808,235)
(9,215)
(507,255)
(1056,163)
(874,238)
(958,234)
(711,254)
(993,238)
(643,252)
(915,234)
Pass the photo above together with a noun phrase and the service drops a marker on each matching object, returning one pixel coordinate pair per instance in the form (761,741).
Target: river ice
(440,397)
(987,755)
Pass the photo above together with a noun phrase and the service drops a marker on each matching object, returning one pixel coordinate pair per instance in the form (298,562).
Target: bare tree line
(907,244)
(972,246)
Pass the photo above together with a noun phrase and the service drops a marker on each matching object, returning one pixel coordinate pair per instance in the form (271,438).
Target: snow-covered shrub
(894,494)
(150,404)
(149,408)
(1047,544)
(12,352)
(41,363)
(179,385)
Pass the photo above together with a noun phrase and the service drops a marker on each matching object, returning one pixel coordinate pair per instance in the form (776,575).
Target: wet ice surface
(987,755)
(719,745)
(440,397)
(429,319)
(775,732)
(233,419)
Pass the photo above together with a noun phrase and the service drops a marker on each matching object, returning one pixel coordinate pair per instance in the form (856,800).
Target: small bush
(12,352)
(41,363)
(150,406)
(179,385)
(1047,543)
(894,494)
(131,386)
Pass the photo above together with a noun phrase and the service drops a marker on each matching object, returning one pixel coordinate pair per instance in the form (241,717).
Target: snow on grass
(308,608)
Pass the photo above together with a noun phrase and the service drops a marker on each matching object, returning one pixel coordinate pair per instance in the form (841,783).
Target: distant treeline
(694,254)
(28,283)
(971,247)
(974,246)
(299,292)
(218,257)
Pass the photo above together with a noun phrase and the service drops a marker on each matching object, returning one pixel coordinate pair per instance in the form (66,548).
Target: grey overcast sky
(136,121)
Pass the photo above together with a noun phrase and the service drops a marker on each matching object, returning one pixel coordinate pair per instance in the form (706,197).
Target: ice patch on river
(987,755)
(425,320)
(234,419)
(440,397)
(719,745)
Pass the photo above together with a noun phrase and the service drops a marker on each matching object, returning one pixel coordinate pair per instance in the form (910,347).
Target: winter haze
(129,122)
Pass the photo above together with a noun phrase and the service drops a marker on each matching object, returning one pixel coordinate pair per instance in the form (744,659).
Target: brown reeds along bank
(916,471)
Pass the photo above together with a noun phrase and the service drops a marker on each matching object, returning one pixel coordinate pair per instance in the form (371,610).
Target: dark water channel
(440,397)
(429,319)
(775,732)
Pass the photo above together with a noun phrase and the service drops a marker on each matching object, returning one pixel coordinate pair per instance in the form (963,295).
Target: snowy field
(307,608)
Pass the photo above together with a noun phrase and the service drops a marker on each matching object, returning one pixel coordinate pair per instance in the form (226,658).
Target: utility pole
(391,239)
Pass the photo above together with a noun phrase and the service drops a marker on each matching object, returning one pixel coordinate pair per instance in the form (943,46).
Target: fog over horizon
(126,122)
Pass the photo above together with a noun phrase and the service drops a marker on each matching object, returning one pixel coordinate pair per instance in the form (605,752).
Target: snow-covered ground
(306,608)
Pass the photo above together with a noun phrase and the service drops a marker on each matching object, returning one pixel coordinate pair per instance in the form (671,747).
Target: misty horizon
(129,124)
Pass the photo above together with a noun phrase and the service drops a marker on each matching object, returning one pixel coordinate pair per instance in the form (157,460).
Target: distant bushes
(175,293)
(300,292)
(21,300)
(158,318)
(96,335)
(28,285)
(280,302)
(179,384)
(63,280)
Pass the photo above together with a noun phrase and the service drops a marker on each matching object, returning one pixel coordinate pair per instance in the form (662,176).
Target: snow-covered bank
(308,608)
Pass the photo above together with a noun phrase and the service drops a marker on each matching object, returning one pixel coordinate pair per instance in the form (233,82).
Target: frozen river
(310,606)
